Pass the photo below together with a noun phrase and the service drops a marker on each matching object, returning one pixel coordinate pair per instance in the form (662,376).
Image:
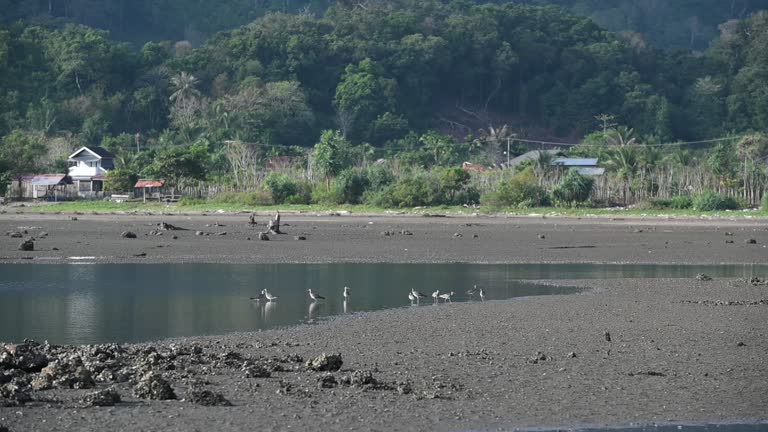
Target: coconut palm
(184,87)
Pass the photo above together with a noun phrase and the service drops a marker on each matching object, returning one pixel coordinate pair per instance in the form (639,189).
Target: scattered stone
(199,233)
(756,281)
(327,381)
(542,236)
(386,233)
(28,356)
(263,236)
(750,241)
(54,249)
(729,234)
(12,395)
(607,336)
(325,362)
(299,238)
(538,357)
(140,255)
(168,227)
(256,371)
(646,373)
(102,398)
(175,237)
(571,355)
(406,233)
(741,344)
(128,235)
(475,236)
(223,233)
(73,218)
(153,386)
(155,233)
(27,245)
(67,373)
(404,388)
(703,277)
(43,234)
(457,235)
(15,234)
(729,242)
(362,378)
(208,398)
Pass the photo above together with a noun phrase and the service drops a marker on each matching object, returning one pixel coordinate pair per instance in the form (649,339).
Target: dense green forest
(425,83)
(683,24)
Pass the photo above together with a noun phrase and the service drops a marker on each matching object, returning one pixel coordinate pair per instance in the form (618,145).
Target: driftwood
(273,226)
(252,220)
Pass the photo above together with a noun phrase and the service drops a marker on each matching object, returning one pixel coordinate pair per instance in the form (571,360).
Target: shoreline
(387,239)
(526,362)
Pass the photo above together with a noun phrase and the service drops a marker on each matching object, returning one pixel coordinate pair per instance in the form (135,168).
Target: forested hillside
(683,24)
(433,83)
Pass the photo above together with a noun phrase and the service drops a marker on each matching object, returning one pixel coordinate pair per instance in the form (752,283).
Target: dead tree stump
(274,225)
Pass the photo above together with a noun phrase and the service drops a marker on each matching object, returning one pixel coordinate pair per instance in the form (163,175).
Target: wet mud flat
(227,238)
(625,351)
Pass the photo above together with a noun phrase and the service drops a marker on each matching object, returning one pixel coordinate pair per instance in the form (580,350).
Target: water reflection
(132,302)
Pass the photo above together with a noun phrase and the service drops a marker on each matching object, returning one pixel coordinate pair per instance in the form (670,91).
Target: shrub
(422,189)
(320,195)
(349,186)
(120,180)
(189,201)
(379,177)
(252,199)
(679,202)
(287,190)
(709,201)
(573,188)
(520,190)
(453,181)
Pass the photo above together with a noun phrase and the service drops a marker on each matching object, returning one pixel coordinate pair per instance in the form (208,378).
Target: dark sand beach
(680,350)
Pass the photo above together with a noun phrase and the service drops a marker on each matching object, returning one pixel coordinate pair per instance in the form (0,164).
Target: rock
(175,237)
(404,388)
(741,344)
(256,371)
(538,357)
(68,373)
(15,234)
(571,355)
(327,381)
(73,218)
(263,236)
(140,255)
(155,233)
(54,249)
(458,235)
(703,277)
(385,233)
(362,378)
(750,241)
(729,242)
(128,234)
(475,236)
(27,245)
(223,233)
(325,362)
(102,398)
(43,234)
(607,336)
(729,234)
(406,233)
(12,395)
(153,386)
(199,233)
(168,227)
(299,238)
(542,236)
(208,398)
(28,357)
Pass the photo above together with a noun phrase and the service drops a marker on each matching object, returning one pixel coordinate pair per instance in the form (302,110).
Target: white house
(88,168)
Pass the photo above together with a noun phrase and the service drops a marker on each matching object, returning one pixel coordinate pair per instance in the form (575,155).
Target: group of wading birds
(414,296)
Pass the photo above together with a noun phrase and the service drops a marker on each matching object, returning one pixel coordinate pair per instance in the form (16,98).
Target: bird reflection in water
(313,310)
(269,310)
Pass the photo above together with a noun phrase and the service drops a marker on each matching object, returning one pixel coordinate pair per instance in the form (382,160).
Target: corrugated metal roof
(146,183)
(589,171)
(575,162)
(48,179)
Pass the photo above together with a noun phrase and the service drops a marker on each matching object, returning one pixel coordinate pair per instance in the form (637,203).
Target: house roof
(532,155)
(100,152)
(49,179)
(148,183)
(590,171)
(575,162)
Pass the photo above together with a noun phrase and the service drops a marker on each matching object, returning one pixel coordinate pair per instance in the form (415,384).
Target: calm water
(96,303)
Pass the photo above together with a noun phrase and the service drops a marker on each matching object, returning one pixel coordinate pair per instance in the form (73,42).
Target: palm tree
(184,87)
